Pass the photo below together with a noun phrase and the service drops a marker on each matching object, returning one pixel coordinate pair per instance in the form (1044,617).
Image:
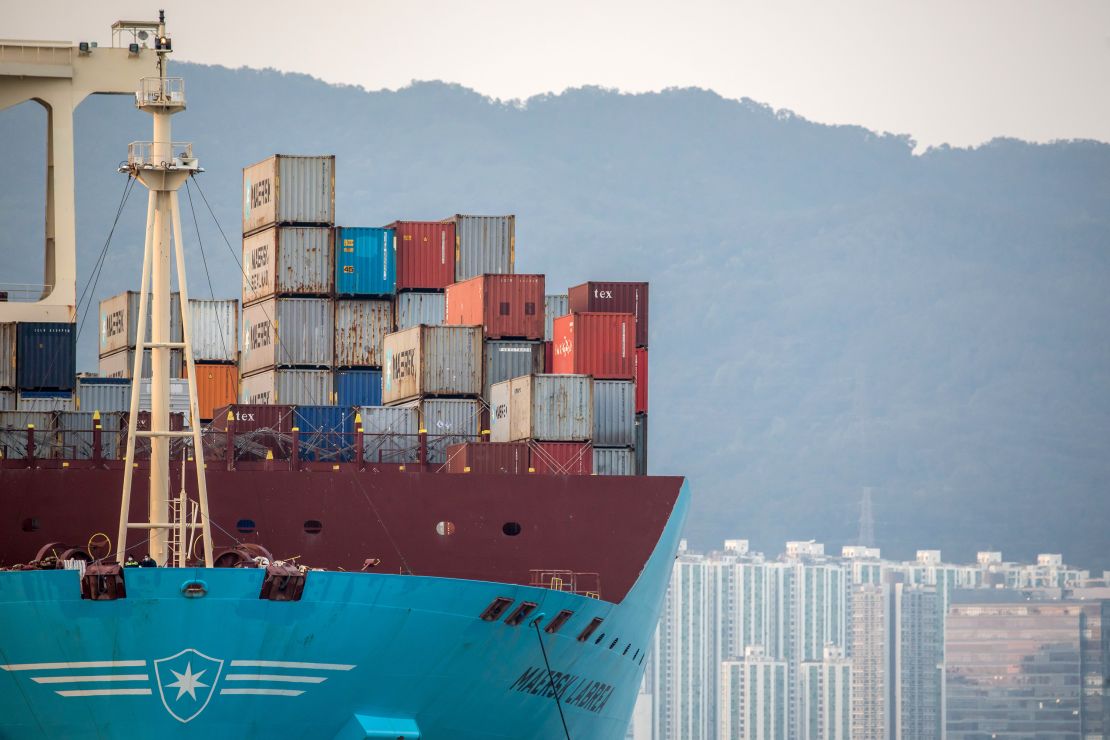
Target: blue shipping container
(46,356)
(358,387)
(327,433)
(365,261)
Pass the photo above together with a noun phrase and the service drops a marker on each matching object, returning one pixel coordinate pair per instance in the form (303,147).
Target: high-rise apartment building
(825,697)
(754,699)
(681,655)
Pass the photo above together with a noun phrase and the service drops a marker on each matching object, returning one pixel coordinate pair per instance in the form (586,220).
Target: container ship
(399,490)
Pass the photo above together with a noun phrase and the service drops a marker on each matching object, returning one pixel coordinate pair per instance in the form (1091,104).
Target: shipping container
(597,344)
(505,306)
(483,245)
(365,261)
(7,355)
(360,328)
(425,255)
(142,444)
(562,458)
(214,329)
(326,433)
(549,357)
(641,370)
(217,385)
(258,429)
(614,413)
(641,448)
(45,401)
(46,356)
(288,260)
(613,297)
(555,408)
(289,189)
(432,360)
(75,435)
(390,434)
(614,461)
(7,400)
(119,321)
(13,433)
(448,421)
(414,309)
(103,394)
(179,396)
(553,307)
(120,365)
(488,457)
(358,387)
(286,386)
(294,332)
(505,360)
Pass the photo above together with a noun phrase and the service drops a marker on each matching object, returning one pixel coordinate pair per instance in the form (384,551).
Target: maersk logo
(186,682)
(246,199)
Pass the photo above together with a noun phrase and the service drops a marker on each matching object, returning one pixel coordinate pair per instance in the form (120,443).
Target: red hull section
(563,458)
(488,457)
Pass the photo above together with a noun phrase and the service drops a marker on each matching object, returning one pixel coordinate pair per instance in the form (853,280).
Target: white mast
(162,165)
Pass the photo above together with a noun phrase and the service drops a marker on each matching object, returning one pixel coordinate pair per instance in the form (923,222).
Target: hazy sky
(945,71)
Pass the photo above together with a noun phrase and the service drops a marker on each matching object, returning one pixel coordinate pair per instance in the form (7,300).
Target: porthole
(31,524)
(313,526)
(245,526)
(445,529)
(511,529)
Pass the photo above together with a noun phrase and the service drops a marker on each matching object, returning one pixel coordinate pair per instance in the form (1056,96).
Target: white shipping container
(432,360)
(120,364)
(360,329)
(74,430)
(390,433)
(7,400)
(448,421)
(508,359)
(614,413)
(7,355)
(287,331)
(550,408)
(119,321)
(553,307)
(289,189)
(484,245)
(288,260)
(93,394)
(287,386)
(414,309)
(214,325)
(179,396)
(614,461)
(44,401)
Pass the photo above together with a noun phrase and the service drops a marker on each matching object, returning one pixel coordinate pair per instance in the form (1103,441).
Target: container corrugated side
(448,421)
(641,447)
(74,430)
(360,329)
(7,400)
(46,356)
(217,385)
(258,429)
(326,432)
(119,320)
(358,387)
(614,461)
(390,434)
(103,394)
(414,309)
(121,364)
(13,433)
(365,261)
(488,457)
(506,306)
(45,401)
(614,297)
(280,332)
(425,255)
(553,306)
(432,360)
(214,329)
(7,355)
(287,188)
(597,344)
(562,458)
(286,386)
(614,413)
(554,408)
(505,360)
(288,260)
(641,370)
(483,245)
(179,396)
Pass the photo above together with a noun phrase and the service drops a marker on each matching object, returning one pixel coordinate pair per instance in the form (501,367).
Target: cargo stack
(552,414)
(554,306)
(119,326)
(425,267)
(365,283)
(288,322)
(8,333)
(37,379)
(214,325)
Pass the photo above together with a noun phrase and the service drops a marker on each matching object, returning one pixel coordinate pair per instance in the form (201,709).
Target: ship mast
(162,165)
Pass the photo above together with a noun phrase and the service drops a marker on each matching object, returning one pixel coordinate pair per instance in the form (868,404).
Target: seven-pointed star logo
(185,695)
(187,682)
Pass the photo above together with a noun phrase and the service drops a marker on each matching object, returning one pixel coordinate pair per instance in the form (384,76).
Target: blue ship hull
(361,655)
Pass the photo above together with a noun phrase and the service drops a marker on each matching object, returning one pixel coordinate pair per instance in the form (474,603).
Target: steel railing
(160,154)
(161,91)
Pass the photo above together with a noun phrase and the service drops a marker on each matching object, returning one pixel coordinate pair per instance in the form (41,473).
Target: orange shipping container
(217,385)
(507,306)
(597,344)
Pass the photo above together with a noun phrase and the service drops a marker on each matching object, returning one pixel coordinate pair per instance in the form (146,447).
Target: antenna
(866,535)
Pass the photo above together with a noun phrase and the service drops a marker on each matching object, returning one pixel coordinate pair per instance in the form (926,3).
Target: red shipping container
(562,458)
(258,428)
(549,357)
(506,306)
(142,424)
(597,344)
(610,297)
(425,254)
(488,457)
(641,380)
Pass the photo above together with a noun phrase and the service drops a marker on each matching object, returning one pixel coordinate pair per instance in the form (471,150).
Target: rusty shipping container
(214,329)
(552,408)
(425,254)
(286,385)
(390,434)
(119,321)
(360,329)
(432,360)
(553,307)
(505,306)
(483,245)
(488,457)
(7,355)
(597,344)
(288,261)
(7,400)
(74,431)
(448,421)
(287,332)
(562,458)
(257,429)
(121,364)
(413,309)
(289,189)
(614,461)
(217,385)
(505,360)
(641,370)
(613,297)
(614,413)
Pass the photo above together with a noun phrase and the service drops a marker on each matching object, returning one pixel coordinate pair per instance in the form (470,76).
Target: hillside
(829,311)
